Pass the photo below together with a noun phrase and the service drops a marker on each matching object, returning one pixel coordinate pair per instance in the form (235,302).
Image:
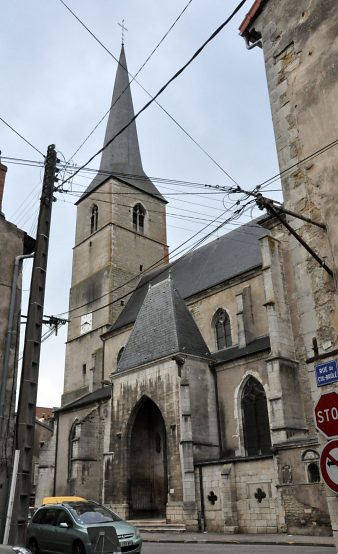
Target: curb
(244,541)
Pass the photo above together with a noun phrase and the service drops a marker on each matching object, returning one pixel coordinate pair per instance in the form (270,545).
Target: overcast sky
(56,84)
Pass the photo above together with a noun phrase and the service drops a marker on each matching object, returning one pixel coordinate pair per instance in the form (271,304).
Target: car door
(64,533)
(45,534)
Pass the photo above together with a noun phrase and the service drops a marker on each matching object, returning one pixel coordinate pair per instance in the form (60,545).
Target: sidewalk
(218,538)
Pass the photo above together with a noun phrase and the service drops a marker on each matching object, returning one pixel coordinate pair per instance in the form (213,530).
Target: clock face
(86,323)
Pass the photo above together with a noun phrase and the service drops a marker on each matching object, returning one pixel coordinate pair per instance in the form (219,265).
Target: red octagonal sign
(326,414)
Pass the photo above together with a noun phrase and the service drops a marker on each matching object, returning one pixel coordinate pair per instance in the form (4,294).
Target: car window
(63,517)
(51,516)
(39,516)
(87,513)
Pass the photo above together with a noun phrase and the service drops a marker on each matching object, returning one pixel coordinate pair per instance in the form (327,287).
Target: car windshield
(87,513)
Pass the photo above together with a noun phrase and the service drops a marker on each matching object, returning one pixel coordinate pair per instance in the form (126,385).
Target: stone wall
(240,497)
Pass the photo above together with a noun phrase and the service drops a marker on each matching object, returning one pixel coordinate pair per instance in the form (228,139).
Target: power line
(148,93)
(23,138)
(162,89)
(196,245)
(262,184)
(234,215)
(133,77)
(136,177)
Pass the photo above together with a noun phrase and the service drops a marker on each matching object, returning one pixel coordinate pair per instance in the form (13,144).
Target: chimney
(3,170)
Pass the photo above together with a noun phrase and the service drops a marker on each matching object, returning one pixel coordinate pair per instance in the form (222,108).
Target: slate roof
(218,261)
(122,157)
(164,327)
(99,394)
(260,344)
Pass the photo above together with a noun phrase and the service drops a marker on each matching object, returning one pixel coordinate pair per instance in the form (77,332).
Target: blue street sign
(326,373)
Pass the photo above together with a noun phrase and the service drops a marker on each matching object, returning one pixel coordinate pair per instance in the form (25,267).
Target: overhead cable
(162,89)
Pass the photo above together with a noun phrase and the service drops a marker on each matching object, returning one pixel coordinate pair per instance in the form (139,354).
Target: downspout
(4,376)
(56,452)
(202,513)
(218,418)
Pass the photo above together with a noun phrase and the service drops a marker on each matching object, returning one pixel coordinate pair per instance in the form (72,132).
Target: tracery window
(94,217)
(138,218)
(222,327)
(256,428)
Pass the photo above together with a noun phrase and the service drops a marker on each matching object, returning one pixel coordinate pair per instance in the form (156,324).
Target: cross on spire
(123,29)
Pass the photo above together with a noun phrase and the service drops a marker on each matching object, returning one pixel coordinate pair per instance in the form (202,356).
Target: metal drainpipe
(18,260)
(202,514)
(56,424)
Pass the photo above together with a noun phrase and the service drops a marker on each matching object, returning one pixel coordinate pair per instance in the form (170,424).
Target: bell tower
(120,232)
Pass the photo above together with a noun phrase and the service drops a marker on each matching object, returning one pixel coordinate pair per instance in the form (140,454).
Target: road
(175,548)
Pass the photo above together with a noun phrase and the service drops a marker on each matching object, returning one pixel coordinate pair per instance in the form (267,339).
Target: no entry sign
(329,464)
(326,414)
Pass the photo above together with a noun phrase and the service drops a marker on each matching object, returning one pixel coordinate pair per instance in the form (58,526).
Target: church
(186,389)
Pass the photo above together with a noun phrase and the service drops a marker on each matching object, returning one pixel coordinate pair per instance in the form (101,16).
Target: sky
(56,84)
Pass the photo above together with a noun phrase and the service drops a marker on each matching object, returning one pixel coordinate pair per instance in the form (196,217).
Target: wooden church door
(148,480)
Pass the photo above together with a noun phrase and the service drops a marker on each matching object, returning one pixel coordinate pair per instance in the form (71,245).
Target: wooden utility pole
(25,422)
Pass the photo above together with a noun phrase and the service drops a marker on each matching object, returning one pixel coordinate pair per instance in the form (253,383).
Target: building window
(311,461)
(94,216)
(256,428)
(313,473)
(73,442)
(120,352)
(221,322)
(138,218)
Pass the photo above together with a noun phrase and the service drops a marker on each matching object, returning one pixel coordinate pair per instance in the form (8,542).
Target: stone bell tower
(120,232)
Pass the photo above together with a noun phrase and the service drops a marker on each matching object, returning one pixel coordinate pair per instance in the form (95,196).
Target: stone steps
(157,525)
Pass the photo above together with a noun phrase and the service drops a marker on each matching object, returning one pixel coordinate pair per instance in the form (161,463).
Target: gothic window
(256,428)
(138,218)
(120,352)
(74,436)
(94,215)
(222,327)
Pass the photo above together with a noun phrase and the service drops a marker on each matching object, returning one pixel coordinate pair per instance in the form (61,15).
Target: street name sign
(326,414)
(326,373)
(329,464)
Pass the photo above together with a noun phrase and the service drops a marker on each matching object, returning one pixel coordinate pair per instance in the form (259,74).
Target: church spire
(122,157)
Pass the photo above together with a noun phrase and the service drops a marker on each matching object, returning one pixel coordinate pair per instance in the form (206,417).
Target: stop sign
(326,414)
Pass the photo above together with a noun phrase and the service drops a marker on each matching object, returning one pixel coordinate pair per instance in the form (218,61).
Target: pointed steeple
(122,157)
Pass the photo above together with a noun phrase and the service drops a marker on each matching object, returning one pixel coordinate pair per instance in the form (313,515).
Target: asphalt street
(191,548)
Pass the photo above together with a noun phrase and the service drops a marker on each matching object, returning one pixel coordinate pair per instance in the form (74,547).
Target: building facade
(189,385)
(15,246)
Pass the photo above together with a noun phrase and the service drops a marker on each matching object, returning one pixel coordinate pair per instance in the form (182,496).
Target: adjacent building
(16,245)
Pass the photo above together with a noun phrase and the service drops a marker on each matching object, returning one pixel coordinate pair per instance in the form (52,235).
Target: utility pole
(25,422)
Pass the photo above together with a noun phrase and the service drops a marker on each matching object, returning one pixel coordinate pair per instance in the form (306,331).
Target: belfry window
(138,218)
(94,216)
(222,327)
(256,428)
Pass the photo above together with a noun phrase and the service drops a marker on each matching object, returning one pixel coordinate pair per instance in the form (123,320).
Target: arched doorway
(148,482)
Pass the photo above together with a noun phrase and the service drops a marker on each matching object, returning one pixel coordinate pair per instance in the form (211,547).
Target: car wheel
(33,546)
(78,548)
